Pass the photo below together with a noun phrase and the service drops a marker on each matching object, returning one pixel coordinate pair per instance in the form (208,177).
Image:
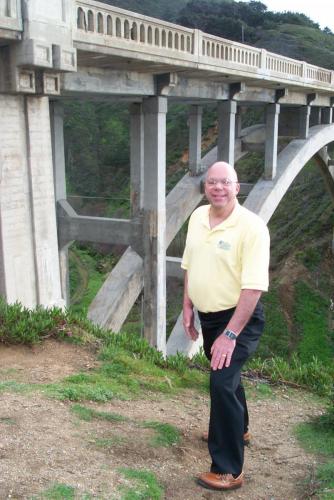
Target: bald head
(221,169)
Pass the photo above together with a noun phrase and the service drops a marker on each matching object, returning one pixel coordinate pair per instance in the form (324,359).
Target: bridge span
(82,49)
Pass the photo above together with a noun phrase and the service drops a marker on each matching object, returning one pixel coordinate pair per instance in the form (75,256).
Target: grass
(142,485)
(89,414)
(20,325)
(88,271)
(317,436)
(58,492)
(314,375)
(109,442)
(167,434)
(311,319)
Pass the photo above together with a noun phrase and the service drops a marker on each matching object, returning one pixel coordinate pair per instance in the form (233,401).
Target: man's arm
(188,312)
(222,348)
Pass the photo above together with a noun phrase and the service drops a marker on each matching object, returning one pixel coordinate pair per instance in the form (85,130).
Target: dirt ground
(43,442)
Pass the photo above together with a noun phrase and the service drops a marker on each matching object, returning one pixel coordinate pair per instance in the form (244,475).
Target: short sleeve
(255,258)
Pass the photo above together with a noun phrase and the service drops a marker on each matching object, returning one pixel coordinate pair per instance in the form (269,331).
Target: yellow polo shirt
(222,261)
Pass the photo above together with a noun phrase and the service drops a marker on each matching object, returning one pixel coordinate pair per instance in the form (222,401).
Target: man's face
(221,186)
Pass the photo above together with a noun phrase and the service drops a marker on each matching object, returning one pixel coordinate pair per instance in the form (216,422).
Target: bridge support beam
(304,121)
(315,116)
(29,260)
(58,154)
(226,131)
(136,158)
(154,213)
(270,157)
(195,139)
(327,116)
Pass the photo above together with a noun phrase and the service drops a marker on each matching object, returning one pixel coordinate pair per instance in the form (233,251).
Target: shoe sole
(216,488)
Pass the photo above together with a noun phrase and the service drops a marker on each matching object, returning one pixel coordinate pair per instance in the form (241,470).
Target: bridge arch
(267,194)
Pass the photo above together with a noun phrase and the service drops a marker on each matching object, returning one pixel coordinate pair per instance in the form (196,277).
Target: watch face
(230,334)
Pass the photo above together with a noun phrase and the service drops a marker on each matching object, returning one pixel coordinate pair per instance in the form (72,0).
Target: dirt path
(43,442)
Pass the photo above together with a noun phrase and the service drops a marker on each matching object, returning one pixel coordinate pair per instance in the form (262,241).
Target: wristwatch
(231,335)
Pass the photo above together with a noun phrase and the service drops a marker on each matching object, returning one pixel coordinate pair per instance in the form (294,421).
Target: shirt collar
(229,222)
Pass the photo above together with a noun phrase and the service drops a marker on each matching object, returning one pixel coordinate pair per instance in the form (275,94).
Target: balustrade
(109,21)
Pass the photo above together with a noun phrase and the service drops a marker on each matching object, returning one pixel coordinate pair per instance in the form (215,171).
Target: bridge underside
(84,60)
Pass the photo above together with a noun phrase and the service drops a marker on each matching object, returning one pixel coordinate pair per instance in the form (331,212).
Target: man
(226,261)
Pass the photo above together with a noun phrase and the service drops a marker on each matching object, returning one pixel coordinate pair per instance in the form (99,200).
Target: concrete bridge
(50,51)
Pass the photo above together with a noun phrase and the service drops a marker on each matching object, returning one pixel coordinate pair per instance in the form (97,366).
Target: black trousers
(229,414)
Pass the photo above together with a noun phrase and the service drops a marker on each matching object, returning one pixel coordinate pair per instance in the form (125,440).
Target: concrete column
(136,158)
(238,122)
(154,211)
(326,116)
(58,155)
(304,121)
(226,131)
(195,139)
(270,157)
(42,198)
(315,116)
(29,271)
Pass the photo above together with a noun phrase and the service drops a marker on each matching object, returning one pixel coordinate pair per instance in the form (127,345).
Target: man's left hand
(221,351)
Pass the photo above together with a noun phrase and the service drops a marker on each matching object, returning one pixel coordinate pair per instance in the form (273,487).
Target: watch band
(229,334)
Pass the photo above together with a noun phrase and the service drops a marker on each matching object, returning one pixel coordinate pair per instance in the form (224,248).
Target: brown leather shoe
(247,437)
(214,481)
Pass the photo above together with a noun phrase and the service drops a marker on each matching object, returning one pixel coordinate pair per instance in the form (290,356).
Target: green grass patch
(89,414)
(109,442)
(324,481)
(276,337)
(167,435)
(311,320)
(13,386)
(88,271)
(317,436)
(259,391)
(142,485)
(314,375)
(20,325)
(57,492)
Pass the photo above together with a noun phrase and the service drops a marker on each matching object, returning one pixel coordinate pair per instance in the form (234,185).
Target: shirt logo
(224,245)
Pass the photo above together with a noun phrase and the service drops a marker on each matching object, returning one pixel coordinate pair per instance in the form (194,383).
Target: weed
(146,486)
(167,434)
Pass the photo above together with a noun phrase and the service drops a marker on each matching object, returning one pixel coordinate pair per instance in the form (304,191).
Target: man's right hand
(189,322)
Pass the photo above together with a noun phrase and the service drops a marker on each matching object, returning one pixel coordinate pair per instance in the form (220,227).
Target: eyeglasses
(224,182)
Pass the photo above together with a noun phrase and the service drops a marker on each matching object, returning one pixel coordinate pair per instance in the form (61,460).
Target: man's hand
(221,351)
(189,322)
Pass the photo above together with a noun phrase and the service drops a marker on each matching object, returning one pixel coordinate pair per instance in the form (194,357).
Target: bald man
(226,260)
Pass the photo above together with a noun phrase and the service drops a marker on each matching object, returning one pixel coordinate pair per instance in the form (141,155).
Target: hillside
(162,10)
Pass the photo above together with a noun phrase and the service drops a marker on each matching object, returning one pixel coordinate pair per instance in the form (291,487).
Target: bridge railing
(101,24)
(111,26)
(10,15)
